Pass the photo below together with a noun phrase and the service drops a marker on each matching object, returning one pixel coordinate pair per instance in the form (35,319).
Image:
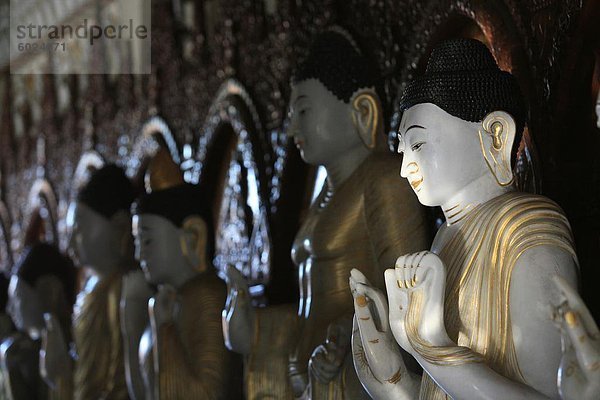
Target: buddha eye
(417,146)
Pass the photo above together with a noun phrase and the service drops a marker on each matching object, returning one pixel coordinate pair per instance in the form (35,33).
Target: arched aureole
(6,256)
(155,134)
(42,214)
(492,23)
(232,169)
(90,160)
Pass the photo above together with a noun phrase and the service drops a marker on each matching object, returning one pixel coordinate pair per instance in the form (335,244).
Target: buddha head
(99,220)
(462,121)
(334,106)
(42,281)
(171,225)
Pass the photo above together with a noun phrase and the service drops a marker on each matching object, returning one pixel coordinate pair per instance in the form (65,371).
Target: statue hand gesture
(327,359)
(377,359)
(163,306)
(238,314)
(423,271)
(135,294)
(579,371)
(55,362)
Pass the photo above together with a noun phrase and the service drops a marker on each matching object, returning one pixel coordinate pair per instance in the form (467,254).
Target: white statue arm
(238,317)
(536,340)
(377,358)
(56,363)
(134,320)
(579,372)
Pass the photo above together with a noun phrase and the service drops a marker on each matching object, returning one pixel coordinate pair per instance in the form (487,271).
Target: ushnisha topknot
(463,79)
(107,191)
(335,60)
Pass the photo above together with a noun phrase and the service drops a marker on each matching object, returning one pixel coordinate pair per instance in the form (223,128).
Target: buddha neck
(183,275)
(340,169)
(475,193)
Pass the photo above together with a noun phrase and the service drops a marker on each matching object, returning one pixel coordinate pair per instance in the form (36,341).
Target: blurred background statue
(41,294)
(363,218)
(182,352)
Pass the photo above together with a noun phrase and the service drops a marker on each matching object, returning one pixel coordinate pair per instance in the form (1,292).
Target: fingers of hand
(378,300)
(359,277)
(576,304)
(396,303)
(585,346)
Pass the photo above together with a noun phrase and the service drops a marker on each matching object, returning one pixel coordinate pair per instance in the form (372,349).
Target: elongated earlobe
(496,135)
(194,242)
(366,116)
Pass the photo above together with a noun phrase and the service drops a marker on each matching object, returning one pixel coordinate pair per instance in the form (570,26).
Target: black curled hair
(463,79)
(176,204)
(335,60)
(42,259)
(107,191)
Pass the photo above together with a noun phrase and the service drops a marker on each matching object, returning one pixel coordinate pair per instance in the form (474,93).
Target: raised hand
(55,362)
(423,273)
(238,314)
(327,359)
(377,359)
(579,371)
(163,306)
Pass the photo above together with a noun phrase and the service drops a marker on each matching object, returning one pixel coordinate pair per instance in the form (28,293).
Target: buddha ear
(366,110)
(497,135)
(194,241)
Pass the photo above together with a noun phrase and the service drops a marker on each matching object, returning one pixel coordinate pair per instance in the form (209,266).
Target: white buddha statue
(474,311)
(361,219)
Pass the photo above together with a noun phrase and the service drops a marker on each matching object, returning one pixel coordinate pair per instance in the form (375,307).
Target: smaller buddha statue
(474,310)
(101,241)
(182,352)
(41,293)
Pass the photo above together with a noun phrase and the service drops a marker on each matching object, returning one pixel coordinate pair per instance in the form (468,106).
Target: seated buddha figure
(41,293)
(474,311)
(362,218)
(182,352)
(100,226)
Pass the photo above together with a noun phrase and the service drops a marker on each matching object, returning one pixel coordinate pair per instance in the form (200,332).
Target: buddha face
(94,239)
(320,123)
(24,306)
(157,247)
(442,153)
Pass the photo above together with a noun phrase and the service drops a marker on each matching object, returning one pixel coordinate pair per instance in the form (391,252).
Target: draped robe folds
(99,369)
(370,220)
(480,259)
(193,362)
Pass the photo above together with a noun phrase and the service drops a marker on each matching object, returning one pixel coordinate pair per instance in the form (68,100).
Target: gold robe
(480,259)
(99,370)
(193,362)
(370,220)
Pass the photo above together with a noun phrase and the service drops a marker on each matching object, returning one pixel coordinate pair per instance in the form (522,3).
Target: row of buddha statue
(486,311)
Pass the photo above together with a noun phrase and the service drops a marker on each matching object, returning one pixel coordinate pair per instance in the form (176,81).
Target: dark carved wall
(231,134)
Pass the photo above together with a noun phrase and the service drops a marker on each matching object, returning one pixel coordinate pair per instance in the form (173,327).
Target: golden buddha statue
(361,219)
(99,222)
(475,310)
(182,354)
